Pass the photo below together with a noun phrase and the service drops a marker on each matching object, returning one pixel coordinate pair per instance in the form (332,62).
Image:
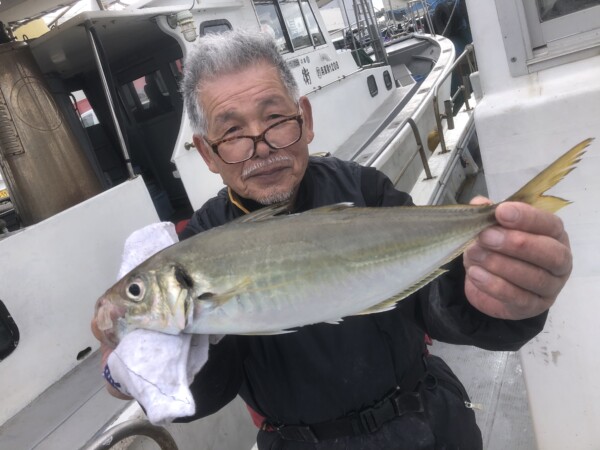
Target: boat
(403,117)
(95,144)
(538,96)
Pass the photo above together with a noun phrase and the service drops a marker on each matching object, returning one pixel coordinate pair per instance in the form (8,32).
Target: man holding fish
(364,382)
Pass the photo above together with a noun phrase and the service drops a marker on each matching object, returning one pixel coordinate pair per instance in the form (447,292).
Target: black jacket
(324,371)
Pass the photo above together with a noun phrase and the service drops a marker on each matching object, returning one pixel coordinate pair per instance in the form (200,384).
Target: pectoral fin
(390,303)
(217,300)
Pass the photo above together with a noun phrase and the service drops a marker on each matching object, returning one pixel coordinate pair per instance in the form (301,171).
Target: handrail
(469,49)
(411,6)
(420,151)
(130,428)
(464,88)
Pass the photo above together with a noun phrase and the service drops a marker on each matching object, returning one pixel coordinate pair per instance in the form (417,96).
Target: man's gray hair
(225,53)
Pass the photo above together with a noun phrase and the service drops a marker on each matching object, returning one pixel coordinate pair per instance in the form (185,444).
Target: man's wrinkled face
(245,104)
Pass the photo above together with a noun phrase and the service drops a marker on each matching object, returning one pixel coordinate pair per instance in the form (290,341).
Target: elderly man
(367,383)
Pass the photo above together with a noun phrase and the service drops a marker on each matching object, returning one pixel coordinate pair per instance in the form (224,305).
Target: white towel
(156,368)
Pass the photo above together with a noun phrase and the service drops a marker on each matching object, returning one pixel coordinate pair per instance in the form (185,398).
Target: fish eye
(135,290)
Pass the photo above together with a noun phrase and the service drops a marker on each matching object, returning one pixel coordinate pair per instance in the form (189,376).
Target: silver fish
(267,274)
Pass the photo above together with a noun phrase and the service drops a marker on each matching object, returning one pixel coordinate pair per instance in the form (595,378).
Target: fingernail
(509,213)
(492,237)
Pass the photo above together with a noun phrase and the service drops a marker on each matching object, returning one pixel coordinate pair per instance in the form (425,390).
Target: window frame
(207,24)
(290,47)
(532,44)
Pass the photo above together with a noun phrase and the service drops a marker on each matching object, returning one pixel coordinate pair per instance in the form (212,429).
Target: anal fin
(268,333)
(390,303)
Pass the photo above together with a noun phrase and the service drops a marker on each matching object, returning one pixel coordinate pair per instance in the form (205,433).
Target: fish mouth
(107,318)
(268,167)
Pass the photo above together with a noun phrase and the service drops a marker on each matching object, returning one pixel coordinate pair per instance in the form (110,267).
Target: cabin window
(214,27)
(372,84)
(295,24)
(552,9)
(544,33)
(9,332)
(387,80)
(84,109)
(292,23)
(313,26)
(268,15)
(147,96)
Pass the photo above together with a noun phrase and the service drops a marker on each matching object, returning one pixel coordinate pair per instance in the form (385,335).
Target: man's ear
(307,118)
(206,153)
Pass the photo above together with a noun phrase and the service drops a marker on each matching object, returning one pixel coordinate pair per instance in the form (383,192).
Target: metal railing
(464,88)
(420,151)
(416,18)
(132,428)
(468,56)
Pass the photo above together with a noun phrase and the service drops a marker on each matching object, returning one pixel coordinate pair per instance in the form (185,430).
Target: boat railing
(130,429)
(418,10)
(420,151)
(465,60)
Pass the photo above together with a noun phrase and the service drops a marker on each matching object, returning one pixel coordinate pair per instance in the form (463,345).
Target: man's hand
(106,351)
(516,269)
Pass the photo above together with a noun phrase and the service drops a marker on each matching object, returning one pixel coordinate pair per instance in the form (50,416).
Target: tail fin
(532,192)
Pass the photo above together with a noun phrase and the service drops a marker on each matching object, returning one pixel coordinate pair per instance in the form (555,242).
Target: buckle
(407,403)
(297,433)
(373,418)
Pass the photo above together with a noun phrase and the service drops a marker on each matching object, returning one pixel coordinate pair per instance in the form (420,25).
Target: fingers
(505,302)
(480,200)
(525,217)
(522,274)
(506,288)
(516,270)
(538,250)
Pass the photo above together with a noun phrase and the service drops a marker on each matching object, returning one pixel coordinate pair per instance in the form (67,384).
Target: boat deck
(495,383)
(493,380)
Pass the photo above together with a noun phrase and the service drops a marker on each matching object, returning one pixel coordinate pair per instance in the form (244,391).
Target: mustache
(261,164)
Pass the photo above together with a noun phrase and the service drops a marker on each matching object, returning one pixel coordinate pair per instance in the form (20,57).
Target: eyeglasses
(281,134)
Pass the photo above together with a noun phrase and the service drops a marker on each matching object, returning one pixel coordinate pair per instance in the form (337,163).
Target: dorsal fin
(330,208)
(266,213)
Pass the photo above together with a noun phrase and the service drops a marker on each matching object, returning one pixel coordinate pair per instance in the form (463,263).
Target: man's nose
(262,150)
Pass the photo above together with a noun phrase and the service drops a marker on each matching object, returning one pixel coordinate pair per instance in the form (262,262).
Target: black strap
(403,399)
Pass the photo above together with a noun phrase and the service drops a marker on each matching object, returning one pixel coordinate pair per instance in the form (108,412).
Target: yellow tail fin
(532,192)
